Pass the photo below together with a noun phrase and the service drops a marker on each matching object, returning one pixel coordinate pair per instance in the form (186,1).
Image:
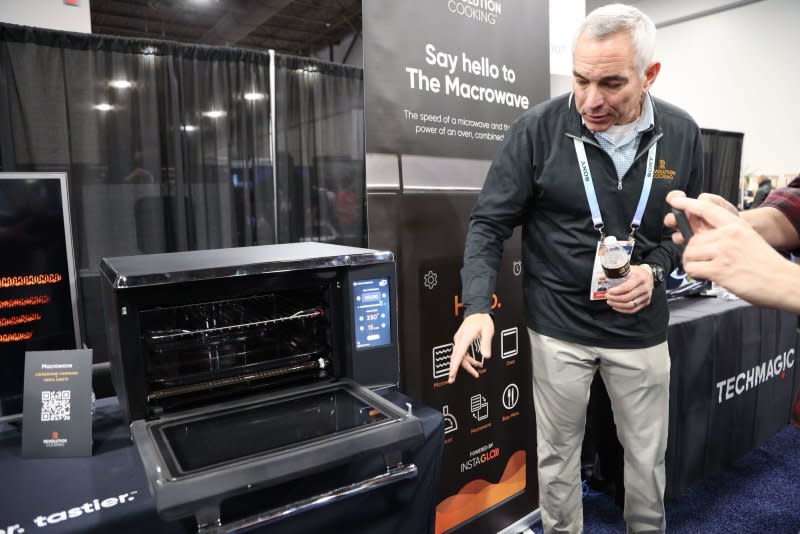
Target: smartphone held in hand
(683,223)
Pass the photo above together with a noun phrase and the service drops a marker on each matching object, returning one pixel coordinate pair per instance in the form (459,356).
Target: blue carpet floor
(758,494)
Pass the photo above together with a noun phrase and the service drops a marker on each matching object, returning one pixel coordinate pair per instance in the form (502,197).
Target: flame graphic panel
(480,495)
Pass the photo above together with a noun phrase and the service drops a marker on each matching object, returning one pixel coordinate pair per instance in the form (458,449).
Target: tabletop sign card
(57,402)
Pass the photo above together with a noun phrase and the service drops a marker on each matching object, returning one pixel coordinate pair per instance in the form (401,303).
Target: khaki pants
(637,381)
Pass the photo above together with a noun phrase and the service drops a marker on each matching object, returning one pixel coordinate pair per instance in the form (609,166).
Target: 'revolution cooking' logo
(54,441)
(662,172)
(486,11)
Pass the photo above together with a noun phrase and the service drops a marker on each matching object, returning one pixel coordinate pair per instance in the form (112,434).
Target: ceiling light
(147,50)
(188,128)
(103,107)
(308,69)
(214,114)
(120,84)
(254,96)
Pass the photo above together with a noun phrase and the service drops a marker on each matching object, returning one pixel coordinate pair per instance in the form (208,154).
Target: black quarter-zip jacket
(535,182)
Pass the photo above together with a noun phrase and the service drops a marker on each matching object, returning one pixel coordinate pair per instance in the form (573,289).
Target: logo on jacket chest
(662,172)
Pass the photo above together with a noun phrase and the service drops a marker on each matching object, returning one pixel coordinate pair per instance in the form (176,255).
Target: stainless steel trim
(13,418)
(441,188)
(101,367)
(420,171)
(173,267)
(522,525)
(392,475)
(273,148)
(383,170)
(73,275)
(382,187)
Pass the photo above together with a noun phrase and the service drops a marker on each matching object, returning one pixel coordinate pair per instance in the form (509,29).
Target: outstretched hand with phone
(724,248)
(692,222)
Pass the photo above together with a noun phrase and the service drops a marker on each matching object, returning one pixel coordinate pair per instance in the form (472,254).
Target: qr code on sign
(55,405)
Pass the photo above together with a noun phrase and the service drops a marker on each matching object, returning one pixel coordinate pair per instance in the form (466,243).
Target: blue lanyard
(591,195)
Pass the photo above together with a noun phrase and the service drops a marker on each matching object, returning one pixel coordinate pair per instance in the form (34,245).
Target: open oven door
(197,459)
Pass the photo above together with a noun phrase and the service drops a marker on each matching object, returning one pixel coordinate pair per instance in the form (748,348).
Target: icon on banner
(441,360)
(510,396)
(450,423)
(509,342)
(479,407)
(517,267)
(475,350)
(431,279)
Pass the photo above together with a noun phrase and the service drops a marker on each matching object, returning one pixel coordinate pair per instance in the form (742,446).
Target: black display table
(733,378)
(108,492)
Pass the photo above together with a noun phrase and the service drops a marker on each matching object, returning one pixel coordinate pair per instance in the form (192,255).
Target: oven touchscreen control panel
(372,316)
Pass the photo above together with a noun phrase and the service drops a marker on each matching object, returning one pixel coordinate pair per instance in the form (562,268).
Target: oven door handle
(392,475)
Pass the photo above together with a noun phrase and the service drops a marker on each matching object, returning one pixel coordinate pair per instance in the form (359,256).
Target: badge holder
(599,286)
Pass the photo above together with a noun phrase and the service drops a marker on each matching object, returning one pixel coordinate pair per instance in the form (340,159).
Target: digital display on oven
(371,313)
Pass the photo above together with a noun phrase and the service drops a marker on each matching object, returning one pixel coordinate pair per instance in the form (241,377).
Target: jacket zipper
(642,151)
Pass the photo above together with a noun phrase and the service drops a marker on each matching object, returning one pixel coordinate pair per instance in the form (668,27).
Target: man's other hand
(476,326)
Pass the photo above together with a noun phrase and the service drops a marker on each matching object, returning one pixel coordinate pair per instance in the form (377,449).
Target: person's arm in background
(503,200)
(773,226)
(726,249)
(777,220)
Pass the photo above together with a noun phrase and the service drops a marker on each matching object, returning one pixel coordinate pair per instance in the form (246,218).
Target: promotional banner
(488,481)
(444,80)
(38,302)
(486,419)
(447,77)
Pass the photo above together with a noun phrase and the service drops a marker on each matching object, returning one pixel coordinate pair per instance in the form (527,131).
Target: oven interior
(198,353)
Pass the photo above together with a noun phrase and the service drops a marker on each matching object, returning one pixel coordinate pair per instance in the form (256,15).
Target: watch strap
(656,271)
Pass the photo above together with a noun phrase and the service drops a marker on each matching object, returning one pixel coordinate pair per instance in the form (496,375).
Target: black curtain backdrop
(320,151)
(722,159)
(180,159)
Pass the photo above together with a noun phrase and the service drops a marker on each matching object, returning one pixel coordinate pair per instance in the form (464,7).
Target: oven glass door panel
(228,436)
(233,343)
(209,455)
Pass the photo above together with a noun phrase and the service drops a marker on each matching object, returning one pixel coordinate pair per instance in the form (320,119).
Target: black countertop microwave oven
(248,367)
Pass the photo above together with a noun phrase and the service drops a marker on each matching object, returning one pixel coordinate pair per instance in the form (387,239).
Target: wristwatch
(656,271)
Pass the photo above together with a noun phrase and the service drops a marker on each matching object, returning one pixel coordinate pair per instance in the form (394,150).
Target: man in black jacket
(572,170)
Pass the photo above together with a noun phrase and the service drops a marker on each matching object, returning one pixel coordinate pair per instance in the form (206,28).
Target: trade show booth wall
(174,147)
(722,161)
